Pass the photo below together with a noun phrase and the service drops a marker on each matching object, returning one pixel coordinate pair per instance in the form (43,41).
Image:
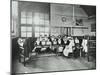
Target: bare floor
(52,63)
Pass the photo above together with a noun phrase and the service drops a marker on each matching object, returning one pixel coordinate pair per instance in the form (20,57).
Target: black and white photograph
(52,37)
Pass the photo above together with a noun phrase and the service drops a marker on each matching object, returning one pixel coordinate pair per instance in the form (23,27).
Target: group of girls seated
(60,45)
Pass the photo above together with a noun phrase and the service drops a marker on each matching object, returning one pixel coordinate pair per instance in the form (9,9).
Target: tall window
(41,21)
(26,24)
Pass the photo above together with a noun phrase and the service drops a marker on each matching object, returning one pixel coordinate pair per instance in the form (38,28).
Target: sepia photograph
(52,37)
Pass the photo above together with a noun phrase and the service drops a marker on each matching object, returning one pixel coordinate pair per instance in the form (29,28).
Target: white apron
(84,44)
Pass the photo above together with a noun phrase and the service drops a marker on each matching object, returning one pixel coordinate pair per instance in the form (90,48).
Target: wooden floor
(52,63)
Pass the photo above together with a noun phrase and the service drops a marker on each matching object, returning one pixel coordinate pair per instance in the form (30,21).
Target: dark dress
(77,50)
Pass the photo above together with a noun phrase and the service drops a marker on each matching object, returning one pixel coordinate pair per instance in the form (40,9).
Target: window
(23,17)
(37,29)
(46,29)
(23,29)
(29,21)
(26,31)
(23,20)
(41,22)
(37,34)
(29,18)
(29,34)
(23,14)
(36,19)
(26,17)
(23,34)
(26,24)
(41,31)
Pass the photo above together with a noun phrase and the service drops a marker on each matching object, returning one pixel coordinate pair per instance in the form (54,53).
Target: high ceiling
(90,10)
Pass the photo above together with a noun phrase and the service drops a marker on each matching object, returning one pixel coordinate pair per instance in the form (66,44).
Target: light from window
(41,21)
(29,21)
(41,29)
(29,29)
(46,29)
(36,29)
(36,34)
(29,34)
(23,34)
(36,19)
(23,20)
(23,28)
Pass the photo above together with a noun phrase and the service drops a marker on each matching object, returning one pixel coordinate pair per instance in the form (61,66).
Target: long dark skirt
(77,50)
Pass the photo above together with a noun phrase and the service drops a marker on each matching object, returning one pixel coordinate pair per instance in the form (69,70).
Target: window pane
(36,19)
(36,29)
(23,20)
(23,34)
(42,29)
(29,28)
(29,20)
(29,34)
(41,21)
(23,14)
(23,28)
(46,29)
(36,34)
